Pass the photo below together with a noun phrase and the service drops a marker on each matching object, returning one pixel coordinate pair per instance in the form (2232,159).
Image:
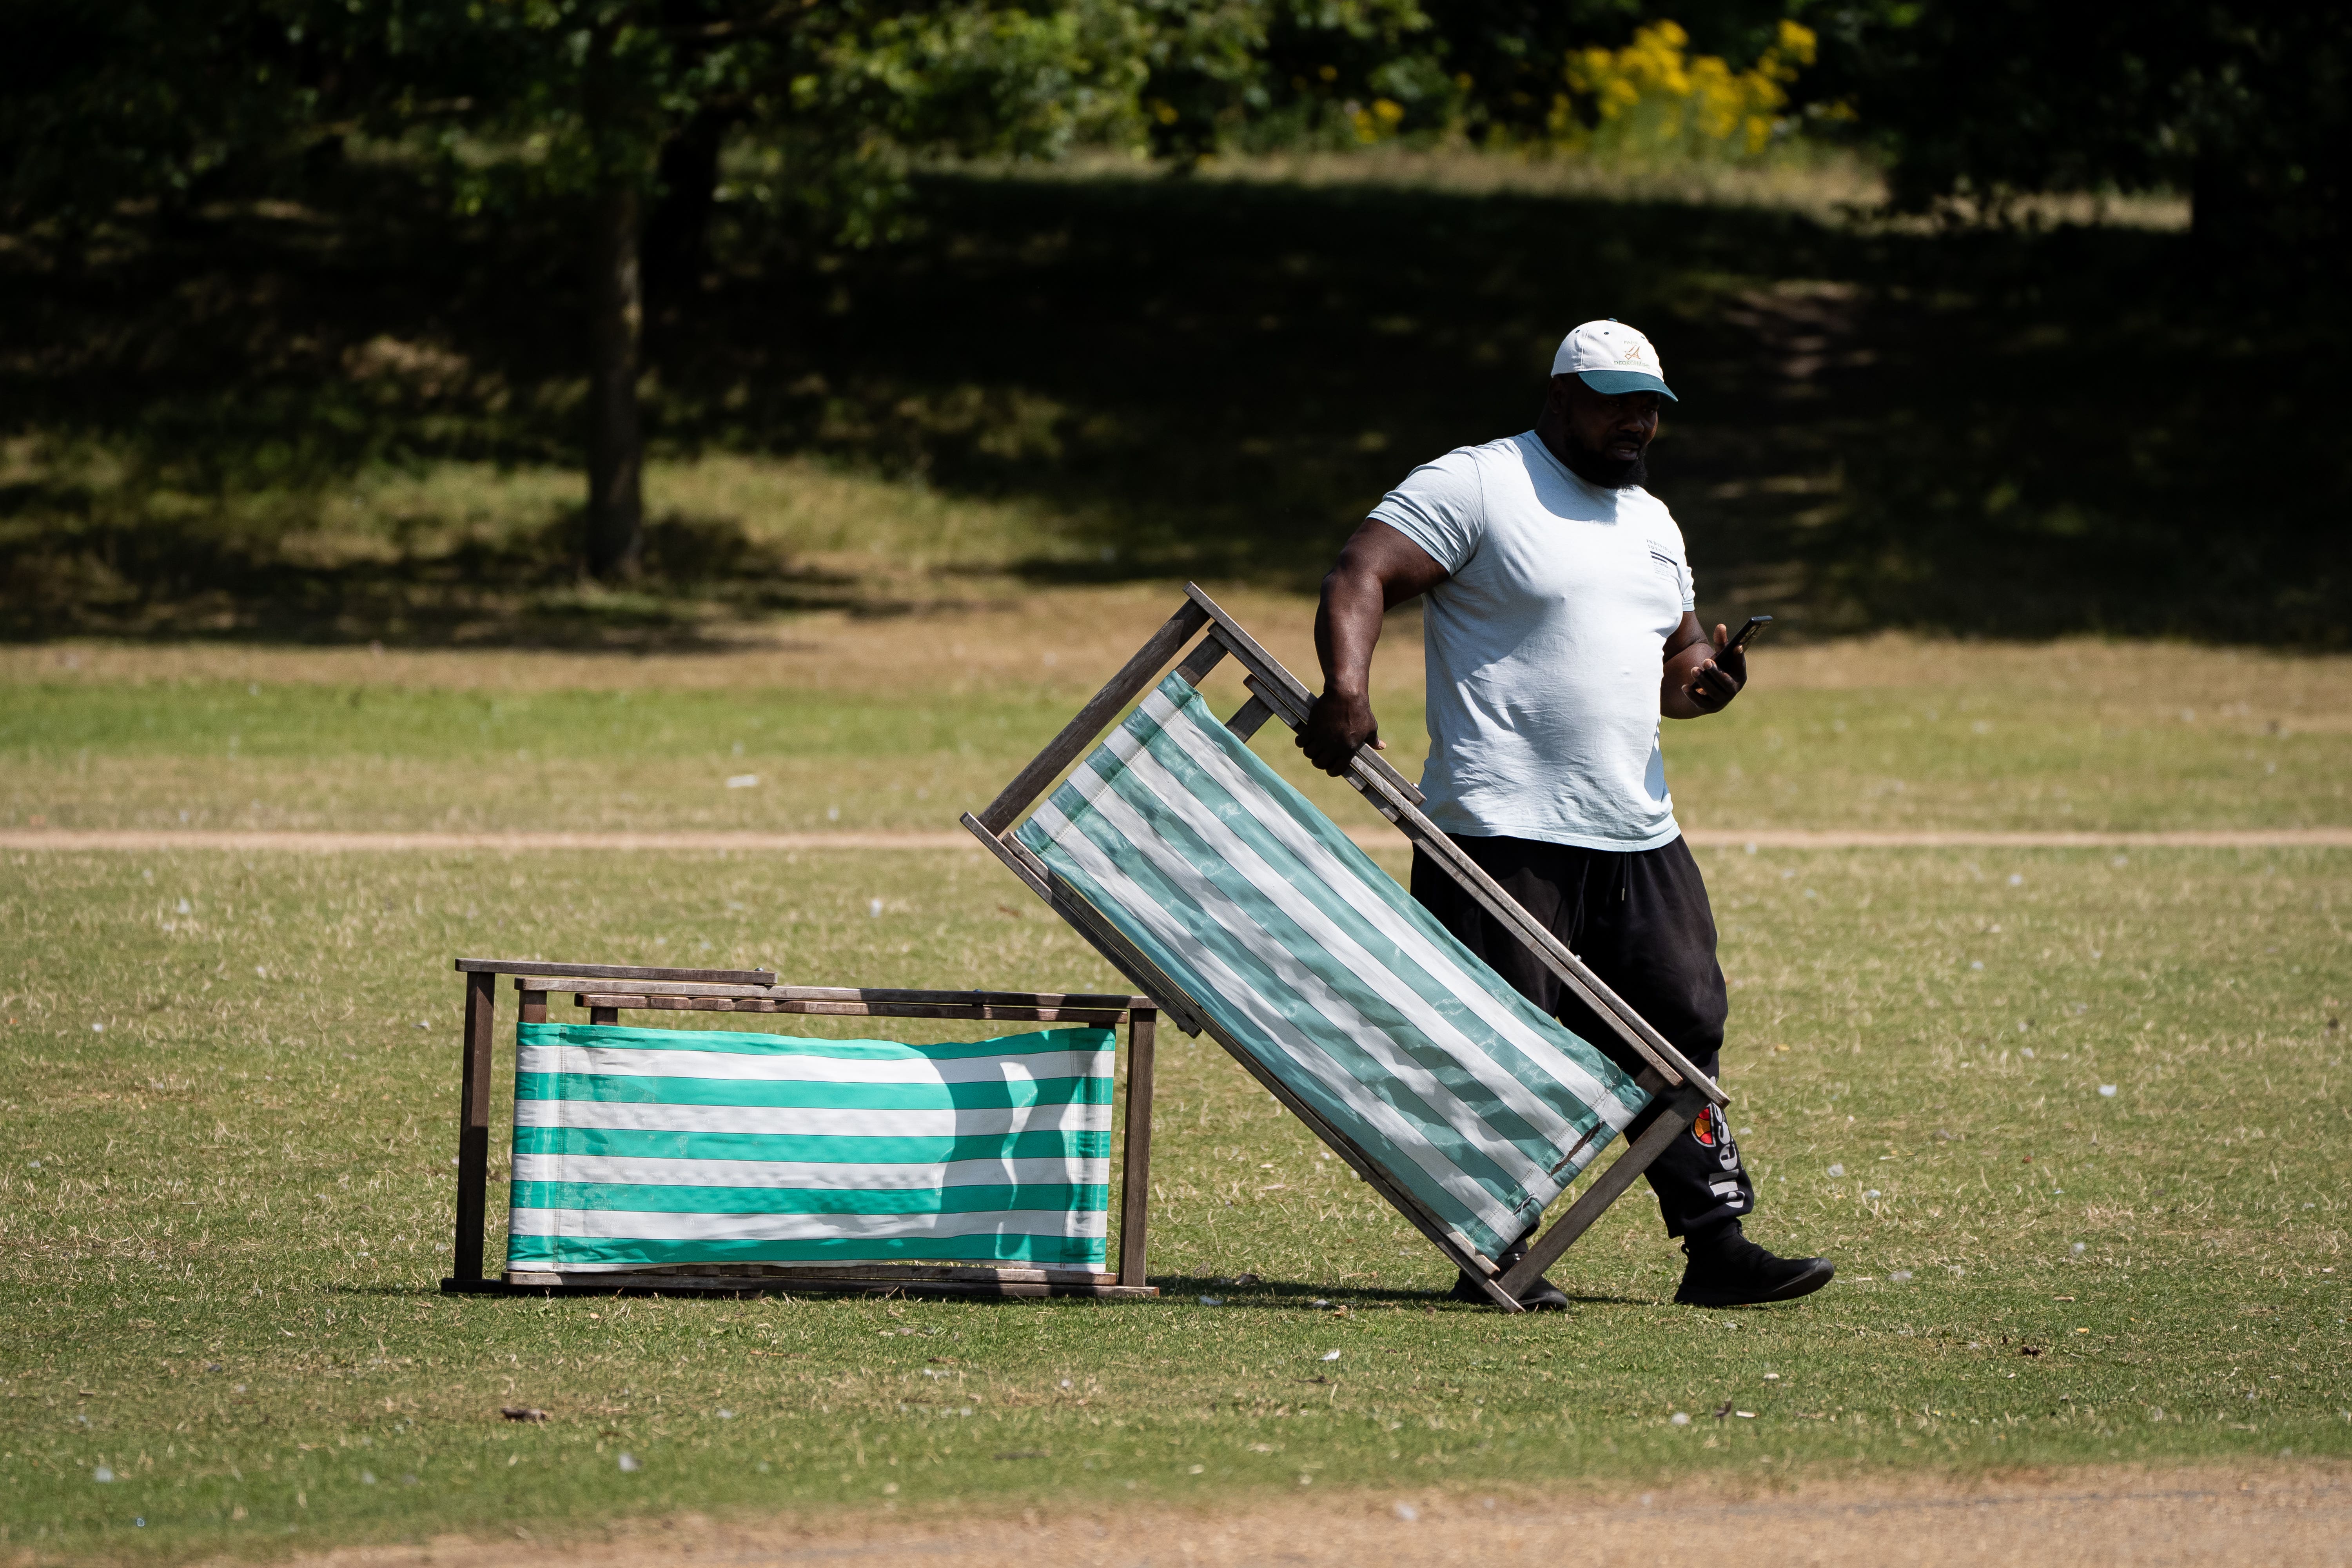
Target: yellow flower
(1653,96)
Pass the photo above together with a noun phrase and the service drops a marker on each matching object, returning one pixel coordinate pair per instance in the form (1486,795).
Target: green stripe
(743,1042)
(1343,907)
(1304,1015)
(638,1088)
(556,1252)
(641,1143)
(976,1199)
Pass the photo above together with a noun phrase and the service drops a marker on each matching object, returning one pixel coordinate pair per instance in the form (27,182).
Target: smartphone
(1740,638)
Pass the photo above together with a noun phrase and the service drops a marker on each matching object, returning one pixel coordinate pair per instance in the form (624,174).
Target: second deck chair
(1229,897)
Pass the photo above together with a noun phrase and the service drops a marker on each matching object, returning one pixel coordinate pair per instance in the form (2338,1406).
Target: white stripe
(844,1177)
(1401,1134)
(741,1066)
(1369,1036)
(808,1121)
(1563,1068)
(1238,852)
(601,1224)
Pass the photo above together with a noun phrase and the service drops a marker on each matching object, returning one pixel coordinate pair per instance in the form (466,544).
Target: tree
(625,108)
(2245,105)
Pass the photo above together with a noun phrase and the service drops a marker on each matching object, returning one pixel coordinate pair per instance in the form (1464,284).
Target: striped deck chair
(729,1160)
(1227,897)
(639,1149)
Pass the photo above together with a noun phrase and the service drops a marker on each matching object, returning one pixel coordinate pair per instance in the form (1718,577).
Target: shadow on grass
(2018,434)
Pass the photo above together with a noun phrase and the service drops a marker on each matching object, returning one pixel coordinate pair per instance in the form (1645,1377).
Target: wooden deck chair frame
(606,991)
(1276,693)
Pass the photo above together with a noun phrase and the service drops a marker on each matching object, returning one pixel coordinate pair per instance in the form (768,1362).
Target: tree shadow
(2015,434)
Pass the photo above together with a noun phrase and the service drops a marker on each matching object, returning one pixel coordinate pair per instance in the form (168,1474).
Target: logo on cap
(1633,355)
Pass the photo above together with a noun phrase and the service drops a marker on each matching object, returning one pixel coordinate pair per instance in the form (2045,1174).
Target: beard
(1595,468)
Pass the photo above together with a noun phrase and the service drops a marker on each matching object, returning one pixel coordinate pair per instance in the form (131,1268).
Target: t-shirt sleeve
(1441,506)
(1669,541)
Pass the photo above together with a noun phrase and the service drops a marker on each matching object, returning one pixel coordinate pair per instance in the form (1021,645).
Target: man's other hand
(1719,679)
(1335,727)
(1698,680)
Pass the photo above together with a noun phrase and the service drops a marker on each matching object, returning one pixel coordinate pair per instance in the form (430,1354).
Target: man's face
(1615,429)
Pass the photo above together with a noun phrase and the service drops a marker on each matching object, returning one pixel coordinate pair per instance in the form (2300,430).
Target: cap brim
(1618,382)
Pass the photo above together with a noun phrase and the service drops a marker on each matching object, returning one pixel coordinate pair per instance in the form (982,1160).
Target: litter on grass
(2108,1089)
(1328,1355)
(629,1464)
(1899,1276)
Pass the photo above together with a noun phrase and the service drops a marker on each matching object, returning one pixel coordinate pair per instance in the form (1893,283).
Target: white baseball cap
(1612,358)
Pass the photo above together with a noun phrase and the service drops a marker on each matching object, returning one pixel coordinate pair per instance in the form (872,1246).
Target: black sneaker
(1726,1269)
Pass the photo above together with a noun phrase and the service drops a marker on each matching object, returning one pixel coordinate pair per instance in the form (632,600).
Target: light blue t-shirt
(1544,646)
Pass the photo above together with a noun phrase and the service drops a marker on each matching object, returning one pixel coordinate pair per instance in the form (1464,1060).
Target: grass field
(231,1081)
(901,722)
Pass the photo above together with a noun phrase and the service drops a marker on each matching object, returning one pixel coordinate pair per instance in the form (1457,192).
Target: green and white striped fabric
(1313,960)
(637,1147)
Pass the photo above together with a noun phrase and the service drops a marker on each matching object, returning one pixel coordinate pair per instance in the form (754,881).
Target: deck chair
(725,1160)
(1225,896)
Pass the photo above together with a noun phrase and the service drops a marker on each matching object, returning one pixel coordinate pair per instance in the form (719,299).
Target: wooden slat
(1125,957)
(1016,857)
(1108,1017)
(612,972)
(1251,652)
(835,1284)
(1206,655)
(968,1273)
(591,981)
(959,998)
(1681,1110)
(1135,1158)
(474,1125)
(1101,707)
(1249,717)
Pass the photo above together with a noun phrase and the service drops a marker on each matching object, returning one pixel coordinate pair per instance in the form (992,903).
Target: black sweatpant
(1640,918)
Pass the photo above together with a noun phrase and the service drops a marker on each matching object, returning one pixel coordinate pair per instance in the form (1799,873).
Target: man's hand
(1698,680)
(1335,727)
(1378,569)
(1719,679)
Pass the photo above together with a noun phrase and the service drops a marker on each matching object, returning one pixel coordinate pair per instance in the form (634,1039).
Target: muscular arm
(1696,683)
(1378,569)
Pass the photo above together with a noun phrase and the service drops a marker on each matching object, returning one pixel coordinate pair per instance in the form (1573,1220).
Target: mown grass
(231,1080)
(901,723)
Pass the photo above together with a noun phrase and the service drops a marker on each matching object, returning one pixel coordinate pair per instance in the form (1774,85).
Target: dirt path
(2279,1514)
(144,840)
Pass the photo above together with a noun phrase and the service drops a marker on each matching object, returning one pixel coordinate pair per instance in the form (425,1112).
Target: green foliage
(2246,105)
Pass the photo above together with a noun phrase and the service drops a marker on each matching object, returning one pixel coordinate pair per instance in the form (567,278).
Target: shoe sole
(1804,1284)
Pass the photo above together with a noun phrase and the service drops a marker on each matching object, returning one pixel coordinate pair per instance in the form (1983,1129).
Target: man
(1557,629)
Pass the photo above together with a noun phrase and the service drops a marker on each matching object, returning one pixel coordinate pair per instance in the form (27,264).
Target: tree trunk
(617,508)
(678,231)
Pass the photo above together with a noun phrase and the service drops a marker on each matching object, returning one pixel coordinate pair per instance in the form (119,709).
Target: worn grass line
(142,840)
